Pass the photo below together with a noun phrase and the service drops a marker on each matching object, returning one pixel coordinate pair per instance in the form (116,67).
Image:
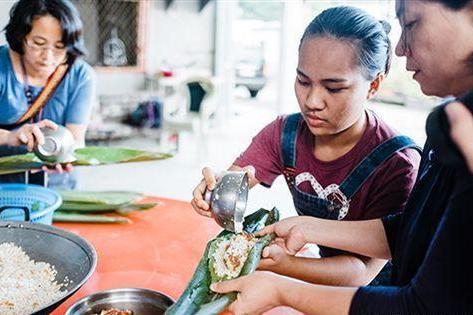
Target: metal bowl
(228,199)
(139,301)
(72,256)
(58,146)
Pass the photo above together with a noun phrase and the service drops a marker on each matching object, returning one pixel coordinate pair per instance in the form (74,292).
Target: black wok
(71,255)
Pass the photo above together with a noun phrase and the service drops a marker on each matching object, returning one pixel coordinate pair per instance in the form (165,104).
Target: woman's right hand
(208,183)
(29,134)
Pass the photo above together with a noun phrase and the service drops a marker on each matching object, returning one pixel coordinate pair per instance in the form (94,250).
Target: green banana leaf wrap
(197,297)
(85,157)
(102,201)
(100,197)
(89,206)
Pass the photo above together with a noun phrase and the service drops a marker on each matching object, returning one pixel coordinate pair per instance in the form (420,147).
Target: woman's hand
(461,122)
(257,292)
(292,232)
(29,134)
(275,257)
(58,168)
(208,183)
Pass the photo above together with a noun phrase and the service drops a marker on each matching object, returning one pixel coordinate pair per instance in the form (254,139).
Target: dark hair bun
(386,26)
(368,35)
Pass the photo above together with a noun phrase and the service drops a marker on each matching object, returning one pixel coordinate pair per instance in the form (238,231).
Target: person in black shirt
(429,242)
(461,121)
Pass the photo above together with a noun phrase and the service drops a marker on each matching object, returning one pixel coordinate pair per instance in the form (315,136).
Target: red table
(158,251)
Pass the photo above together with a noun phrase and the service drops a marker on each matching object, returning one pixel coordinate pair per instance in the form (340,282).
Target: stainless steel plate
(140,301)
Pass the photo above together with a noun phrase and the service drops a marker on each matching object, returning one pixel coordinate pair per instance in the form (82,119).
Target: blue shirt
(70,104)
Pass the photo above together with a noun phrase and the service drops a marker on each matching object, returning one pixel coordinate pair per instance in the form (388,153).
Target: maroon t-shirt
(384,192)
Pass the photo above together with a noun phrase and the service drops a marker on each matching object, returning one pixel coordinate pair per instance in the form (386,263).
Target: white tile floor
(176,177)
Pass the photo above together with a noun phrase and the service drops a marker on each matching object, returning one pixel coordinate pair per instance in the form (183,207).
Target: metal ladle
(228,200)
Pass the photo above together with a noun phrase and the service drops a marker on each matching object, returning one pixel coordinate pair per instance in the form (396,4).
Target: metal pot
(139,301)
(228,200)
(72,256)
(58,146)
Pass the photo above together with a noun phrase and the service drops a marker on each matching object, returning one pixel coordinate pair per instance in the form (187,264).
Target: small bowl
(58,146)
(228,200)
(139,301)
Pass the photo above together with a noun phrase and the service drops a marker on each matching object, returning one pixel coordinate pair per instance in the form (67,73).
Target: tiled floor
(176,177)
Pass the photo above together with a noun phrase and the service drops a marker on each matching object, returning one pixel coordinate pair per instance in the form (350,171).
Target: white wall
(179,35)
(5,6)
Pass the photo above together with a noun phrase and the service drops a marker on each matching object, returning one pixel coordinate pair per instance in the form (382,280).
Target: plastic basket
(21,202)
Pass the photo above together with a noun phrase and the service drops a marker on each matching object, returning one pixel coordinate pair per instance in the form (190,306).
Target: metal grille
(110,31)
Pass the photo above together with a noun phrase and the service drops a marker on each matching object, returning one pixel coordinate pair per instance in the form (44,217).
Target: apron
(333,201)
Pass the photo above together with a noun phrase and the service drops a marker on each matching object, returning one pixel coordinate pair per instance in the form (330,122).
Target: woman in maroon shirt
(430,242)
(336,156)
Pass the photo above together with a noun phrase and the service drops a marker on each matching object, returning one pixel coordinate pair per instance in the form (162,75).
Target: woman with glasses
(43,81)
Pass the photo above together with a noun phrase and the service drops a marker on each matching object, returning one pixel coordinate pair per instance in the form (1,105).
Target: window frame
(143,9)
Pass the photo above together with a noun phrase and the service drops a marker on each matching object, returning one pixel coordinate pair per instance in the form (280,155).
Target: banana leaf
(197,297)
(19,163)
(219,302)
(136,207)
(107,155)
(123,208)
(218,305)
(85,156)
(79,206)
(89,207)
(87,218)
(113,198)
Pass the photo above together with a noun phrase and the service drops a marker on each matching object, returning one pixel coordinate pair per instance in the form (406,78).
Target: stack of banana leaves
(99,206)
(85,156)
(197,297)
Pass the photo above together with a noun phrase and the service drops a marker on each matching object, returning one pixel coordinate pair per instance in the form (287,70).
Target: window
(114,33)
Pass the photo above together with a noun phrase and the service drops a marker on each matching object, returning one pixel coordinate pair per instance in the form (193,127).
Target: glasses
(42,47)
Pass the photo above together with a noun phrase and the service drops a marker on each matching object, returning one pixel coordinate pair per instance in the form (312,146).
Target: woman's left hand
(275,257)
(292,231)
(58,168)
(257,292)
(461,122)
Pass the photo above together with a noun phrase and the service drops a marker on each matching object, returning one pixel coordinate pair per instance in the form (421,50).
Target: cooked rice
(26,286)
(115,311)
(231,255)
(238,227)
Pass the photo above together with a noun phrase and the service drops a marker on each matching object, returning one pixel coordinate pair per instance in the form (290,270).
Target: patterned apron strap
(288,146)
(369,164)
(53,82)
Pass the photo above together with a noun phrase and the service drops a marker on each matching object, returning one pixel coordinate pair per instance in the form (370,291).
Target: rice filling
(231,254)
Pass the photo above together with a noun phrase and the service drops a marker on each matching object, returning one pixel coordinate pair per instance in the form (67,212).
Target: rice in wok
(25,285)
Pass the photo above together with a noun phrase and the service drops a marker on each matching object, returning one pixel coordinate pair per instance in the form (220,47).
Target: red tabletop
(159,250)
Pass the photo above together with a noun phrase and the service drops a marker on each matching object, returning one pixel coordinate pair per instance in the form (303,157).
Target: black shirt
(431,243)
